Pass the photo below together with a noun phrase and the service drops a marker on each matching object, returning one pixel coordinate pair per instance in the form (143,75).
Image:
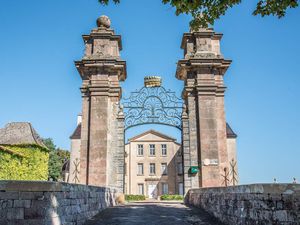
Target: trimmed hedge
(135,197)
(171,197)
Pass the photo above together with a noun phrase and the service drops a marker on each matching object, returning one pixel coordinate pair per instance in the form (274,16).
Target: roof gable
(152,135)
(230,133)
(77,132)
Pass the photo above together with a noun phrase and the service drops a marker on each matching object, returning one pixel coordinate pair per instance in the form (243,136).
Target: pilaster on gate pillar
(186,151)
(101,70)
(119,158)
(202,71)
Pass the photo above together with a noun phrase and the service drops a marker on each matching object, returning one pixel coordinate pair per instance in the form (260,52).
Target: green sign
(194,169)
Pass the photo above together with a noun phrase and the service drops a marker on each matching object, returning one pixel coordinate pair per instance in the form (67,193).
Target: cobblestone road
(152,213)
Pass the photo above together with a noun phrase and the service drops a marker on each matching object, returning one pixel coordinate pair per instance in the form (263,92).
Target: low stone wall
(250,204)
(51,203)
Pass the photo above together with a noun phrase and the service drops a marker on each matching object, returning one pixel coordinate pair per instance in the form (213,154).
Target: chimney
(79,119)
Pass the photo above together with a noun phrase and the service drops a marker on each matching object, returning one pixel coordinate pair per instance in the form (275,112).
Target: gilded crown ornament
(152,81)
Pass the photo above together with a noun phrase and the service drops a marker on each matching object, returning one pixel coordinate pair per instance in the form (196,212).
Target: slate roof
(77,132)
(230,133)
(20,133)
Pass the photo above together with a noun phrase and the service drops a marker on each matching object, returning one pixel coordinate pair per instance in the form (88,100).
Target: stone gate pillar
(202,71)
(101,70)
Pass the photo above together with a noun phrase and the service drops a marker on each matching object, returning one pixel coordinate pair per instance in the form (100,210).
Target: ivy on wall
(23,162)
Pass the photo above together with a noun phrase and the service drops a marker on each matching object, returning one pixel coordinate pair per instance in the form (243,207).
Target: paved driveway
(152,213)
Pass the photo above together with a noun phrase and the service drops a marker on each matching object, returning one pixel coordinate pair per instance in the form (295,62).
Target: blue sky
(39,83)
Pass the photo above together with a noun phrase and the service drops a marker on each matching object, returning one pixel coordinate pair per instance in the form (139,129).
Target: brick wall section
(250,204)
(43,203)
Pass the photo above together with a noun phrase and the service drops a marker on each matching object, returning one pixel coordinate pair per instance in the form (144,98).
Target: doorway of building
(151,191)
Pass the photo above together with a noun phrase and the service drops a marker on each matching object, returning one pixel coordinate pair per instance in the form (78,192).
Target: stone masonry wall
(51,203)
(276,204)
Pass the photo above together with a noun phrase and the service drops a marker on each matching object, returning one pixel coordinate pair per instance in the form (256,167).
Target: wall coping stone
(283,188)
(44,186)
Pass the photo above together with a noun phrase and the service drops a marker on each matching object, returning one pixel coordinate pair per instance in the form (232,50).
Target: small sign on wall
(210,162)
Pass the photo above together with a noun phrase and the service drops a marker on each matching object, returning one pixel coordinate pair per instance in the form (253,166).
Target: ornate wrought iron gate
(153,105)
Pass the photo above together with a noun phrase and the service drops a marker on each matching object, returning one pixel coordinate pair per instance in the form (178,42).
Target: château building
(153,163)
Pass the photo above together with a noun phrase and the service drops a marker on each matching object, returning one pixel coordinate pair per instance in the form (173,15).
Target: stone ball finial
(103,21)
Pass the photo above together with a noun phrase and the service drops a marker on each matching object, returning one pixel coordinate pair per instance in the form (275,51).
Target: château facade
(153,163)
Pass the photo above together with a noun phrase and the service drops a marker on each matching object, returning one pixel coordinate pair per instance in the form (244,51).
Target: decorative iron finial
(152,81)
(103,22)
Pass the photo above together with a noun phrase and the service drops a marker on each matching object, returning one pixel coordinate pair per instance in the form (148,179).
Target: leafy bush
(171,197)
(57,157)
(23,162)
(135,197)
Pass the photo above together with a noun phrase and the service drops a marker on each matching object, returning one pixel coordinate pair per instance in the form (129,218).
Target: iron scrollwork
(153,105)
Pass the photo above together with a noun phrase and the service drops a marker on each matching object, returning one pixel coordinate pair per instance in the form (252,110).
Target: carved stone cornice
(101,90)
(86,68)
(186,66)
(84,92)
(115,92)
(206,89)
(220,92)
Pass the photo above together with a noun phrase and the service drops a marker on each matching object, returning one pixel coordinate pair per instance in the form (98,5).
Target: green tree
(49,143)
(205,12)
(57,157)
(64,155)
